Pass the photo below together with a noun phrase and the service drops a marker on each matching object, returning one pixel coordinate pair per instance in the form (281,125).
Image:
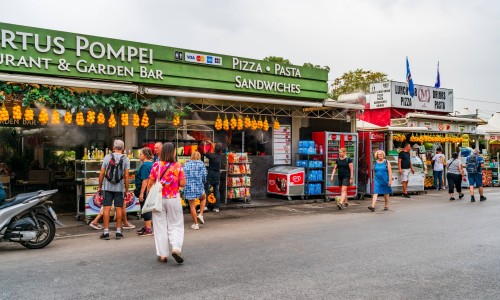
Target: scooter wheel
(44,236)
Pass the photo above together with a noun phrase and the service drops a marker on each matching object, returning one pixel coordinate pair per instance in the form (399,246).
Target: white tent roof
(495,121)
(367,126)
(487,129)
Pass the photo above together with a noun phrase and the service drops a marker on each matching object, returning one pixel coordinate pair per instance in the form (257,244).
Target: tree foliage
(358,80)
(277,59)
(310,65)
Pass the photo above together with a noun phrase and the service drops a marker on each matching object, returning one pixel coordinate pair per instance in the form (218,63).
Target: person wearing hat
(114,192)
(474,164)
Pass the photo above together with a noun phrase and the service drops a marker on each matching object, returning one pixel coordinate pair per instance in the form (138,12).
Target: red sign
(297,178)
(377,136)
(277,183)
(349,137)
(333,137)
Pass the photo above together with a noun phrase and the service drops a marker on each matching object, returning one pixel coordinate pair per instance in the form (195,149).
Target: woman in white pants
(168,223)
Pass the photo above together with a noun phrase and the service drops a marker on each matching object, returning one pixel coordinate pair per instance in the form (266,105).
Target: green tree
(277,59)
(310,65)
(358,80)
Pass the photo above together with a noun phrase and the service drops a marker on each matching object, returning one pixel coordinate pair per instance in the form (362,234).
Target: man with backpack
(114,182)
(474,164)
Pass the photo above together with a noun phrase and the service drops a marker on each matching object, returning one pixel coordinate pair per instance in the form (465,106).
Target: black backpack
(472,165)
(114,171)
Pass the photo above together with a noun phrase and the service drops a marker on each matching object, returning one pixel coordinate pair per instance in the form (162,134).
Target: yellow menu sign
(465,140)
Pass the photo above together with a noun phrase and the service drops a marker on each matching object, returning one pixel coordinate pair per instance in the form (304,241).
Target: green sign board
(62,54)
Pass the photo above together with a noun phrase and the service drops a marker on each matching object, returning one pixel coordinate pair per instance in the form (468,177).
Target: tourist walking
(345,168)
(196,176)
(454,176)
(437,170)
(114,182)
(405,167)
(382,180)
(168,223)
(474,164)
(141,184)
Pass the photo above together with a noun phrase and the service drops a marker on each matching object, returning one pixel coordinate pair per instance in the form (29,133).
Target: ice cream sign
(444,127)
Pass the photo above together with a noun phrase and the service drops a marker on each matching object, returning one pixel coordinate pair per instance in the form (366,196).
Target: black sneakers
(104,236)
(472,199)
(119,235)
(461,196)
(452,198)
(406,195)
(371,208)
(482,198)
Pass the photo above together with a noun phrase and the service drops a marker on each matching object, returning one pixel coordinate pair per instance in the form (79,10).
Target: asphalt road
(423,248)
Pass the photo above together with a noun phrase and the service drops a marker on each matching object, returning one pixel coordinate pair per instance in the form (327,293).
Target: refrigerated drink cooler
(331,142)
(286,181)
(369,143)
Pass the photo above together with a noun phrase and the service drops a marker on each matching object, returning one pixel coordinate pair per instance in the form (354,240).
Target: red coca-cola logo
(333,137)
(349,137)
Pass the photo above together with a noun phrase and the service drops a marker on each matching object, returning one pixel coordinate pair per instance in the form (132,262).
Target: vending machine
(330,143)
(369,143)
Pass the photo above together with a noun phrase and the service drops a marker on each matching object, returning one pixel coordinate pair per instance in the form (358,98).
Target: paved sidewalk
(266,208)
(256,208)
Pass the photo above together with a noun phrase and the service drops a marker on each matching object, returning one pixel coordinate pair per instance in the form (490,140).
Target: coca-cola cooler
(286,181)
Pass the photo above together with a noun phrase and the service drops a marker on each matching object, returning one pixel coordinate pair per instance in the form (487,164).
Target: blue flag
(438,80)
(409,80)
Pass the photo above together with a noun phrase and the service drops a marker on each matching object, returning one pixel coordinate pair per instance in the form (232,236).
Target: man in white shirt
(438,168)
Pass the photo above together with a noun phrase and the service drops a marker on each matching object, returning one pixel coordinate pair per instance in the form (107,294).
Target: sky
(464,36)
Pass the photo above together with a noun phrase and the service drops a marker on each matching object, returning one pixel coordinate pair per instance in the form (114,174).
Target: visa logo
(190,56)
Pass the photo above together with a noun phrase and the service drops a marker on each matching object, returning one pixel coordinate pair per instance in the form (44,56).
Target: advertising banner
(396,94)
(46,52)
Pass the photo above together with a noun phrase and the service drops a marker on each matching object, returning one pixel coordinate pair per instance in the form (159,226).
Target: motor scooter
(29,219)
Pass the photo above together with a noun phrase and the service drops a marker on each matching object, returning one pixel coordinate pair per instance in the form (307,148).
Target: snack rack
(238,177)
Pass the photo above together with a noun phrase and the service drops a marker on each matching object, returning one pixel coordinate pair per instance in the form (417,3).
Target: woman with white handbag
(168,222)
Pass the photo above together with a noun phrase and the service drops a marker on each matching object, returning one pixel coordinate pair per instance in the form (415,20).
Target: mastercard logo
(200,58)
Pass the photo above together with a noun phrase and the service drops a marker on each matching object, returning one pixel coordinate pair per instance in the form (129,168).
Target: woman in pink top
(168,223)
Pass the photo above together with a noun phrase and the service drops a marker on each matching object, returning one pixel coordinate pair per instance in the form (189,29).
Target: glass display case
(87,172)
(415,181)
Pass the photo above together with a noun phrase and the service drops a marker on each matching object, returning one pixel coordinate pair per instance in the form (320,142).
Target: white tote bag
(154,198)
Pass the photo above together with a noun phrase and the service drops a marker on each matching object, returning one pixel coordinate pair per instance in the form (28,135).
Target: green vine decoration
(65,98)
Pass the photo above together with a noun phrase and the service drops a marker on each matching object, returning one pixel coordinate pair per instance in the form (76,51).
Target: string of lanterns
(239,123)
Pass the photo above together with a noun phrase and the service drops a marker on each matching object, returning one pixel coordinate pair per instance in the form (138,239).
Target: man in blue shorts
(474,164)
(114,182)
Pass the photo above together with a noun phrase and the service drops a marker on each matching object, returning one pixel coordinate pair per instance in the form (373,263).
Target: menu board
(282,145)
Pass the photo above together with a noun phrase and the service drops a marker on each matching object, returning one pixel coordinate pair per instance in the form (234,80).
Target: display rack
(87,172)
(238,177)
(310,166)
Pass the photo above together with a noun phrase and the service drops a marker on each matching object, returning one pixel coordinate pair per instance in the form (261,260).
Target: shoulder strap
(162,174)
